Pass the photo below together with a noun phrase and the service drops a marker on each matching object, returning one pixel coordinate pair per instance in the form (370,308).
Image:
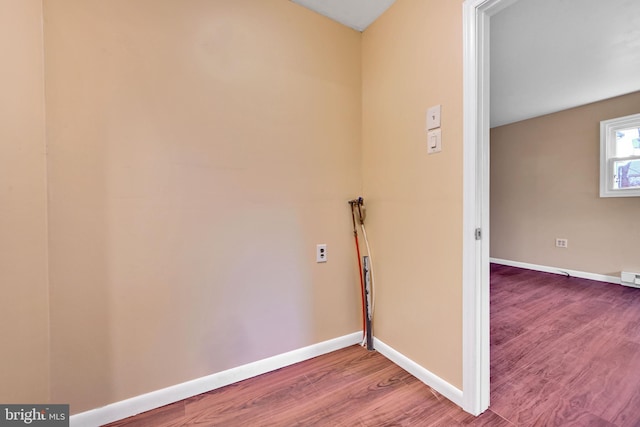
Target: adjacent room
(565,336)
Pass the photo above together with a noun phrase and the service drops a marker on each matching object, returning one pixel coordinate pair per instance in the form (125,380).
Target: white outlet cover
(321,252)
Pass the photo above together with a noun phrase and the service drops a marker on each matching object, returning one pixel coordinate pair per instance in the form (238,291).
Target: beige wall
(412,59)
(198,152)
(545,184)
(24,367)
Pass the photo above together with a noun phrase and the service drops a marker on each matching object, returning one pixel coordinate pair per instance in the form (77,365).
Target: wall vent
(630,279)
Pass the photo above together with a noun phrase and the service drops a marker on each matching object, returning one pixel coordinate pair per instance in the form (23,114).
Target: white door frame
(475,268)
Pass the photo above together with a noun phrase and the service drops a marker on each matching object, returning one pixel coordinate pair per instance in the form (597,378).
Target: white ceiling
(357,14)
(546,55)
(550,55)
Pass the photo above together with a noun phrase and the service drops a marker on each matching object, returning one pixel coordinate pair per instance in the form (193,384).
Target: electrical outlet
(321,253)
(562,243)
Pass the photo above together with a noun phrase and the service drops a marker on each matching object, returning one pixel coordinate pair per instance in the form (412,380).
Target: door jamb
(475,269)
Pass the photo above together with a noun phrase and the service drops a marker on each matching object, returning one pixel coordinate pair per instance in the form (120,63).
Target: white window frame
(608,130)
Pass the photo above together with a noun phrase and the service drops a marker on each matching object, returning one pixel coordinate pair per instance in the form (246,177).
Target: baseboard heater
(630,279)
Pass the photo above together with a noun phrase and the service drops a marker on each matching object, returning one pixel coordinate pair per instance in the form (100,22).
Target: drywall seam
(46,201)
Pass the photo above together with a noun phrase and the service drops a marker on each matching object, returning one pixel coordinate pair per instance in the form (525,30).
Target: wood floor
(564,351)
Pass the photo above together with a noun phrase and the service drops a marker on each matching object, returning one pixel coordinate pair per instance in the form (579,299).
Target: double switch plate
(434,132)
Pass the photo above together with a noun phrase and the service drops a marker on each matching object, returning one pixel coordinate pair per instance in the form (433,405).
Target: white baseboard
(146,402)
(432,380)
(558,270)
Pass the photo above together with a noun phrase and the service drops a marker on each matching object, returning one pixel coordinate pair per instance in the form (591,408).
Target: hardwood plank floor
(564,351)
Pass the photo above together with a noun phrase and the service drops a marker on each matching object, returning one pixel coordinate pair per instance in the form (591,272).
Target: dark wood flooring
(349,387)
(564,352)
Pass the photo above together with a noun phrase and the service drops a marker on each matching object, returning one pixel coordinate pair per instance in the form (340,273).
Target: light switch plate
(433,117)
(434,141)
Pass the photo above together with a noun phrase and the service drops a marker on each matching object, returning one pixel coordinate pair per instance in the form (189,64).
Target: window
(620,157)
